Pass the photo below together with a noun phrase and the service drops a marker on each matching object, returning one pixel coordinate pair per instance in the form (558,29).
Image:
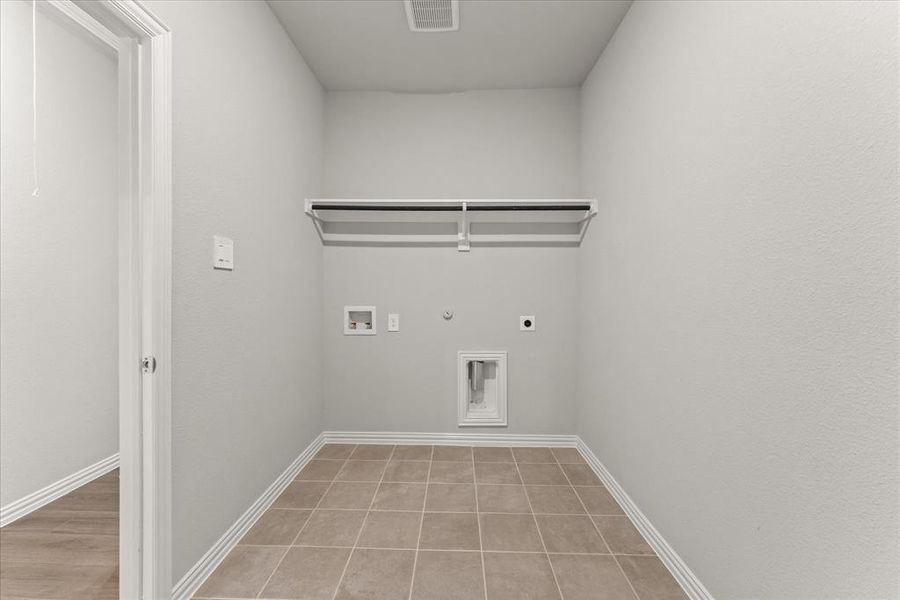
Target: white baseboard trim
(447,439)
(19,508)
(195,577)
(686,578)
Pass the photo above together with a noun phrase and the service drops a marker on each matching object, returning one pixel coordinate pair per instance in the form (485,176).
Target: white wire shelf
(460,223)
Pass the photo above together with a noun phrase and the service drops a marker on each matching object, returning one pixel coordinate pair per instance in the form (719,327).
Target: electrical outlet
(526,323)
(393,321)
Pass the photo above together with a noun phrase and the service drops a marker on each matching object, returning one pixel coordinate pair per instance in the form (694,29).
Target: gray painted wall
(479,144)
(741,285)
(515,143)
(247,372)
(406,380)
(58,284)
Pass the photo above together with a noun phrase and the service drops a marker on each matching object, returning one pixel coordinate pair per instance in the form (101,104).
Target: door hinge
(148,364)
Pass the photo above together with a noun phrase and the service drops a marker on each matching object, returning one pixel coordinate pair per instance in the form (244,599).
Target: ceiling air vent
(432,15)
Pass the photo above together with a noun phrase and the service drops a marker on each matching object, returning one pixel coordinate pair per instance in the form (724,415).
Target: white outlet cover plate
(523,327)
(393,321)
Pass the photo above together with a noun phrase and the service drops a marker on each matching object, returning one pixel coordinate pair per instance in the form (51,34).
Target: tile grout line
(478,520)
(296,537)
(537,526)
(597,529)
(412,580)
(439,549)
(443,482)
(337,588)
(484,512)
(381,459)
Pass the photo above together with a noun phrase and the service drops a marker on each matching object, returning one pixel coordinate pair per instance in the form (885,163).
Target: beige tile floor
(379,522)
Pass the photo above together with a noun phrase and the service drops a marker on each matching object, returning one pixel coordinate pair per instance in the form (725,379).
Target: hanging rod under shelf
(476,208)
(528,221)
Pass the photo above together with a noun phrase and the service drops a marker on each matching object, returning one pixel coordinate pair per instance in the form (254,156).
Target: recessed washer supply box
(359,320)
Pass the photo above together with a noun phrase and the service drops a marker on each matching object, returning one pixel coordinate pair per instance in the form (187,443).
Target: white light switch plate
(393,321)
(223,253)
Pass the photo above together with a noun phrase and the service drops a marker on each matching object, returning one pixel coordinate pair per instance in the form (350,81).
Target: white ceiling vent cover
(432,15)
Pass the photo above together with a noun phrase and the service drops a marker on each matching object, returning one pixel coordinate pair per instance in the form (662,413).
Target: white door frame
(144,48)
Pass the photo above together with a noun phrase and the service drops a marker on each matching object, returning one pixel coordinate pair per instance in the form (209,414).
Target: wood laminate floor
(67,549)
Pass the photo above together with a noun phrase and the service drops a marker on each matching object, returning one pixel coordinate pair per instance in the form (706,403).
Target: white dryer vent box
(481,399)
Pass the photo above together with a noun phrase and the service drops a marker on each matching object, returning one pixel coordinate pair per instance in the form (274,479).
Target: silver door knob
(148,364)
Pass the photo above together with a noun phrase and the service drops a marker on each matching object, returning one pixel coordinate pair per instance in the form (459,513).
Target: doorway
(85,281)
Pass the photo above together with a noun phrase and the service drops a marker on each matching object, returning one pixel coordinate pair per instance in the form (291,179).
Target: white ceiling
(367,45)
